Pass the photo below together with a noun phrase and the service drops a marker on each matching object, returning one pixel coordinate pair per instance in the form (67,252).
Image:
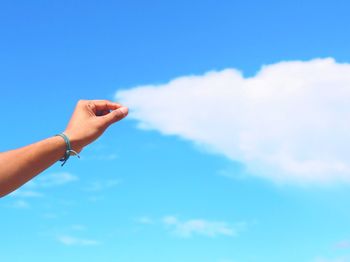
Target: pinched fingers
(102,105)
(115,115)
(98,107)
(107,111)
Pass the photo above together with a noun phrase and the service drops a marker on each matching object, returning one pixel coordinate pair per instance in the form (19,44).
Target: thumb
(115,115)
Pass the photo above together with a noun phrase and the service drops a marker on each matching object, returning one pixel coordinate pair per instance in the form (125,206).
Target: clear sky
(160,193)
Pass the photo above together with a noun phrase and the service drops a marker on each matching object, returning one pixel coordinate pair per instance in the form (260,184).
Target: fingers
(115,115)
(102,105)
(105,104)
(108,112)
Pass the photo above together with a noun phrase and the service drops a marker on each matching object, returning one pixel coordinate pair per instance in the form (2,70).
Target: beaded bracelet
(69,151)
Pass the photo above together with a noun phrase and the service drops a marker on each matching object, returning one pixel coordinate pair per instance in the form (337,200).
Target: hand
(90,119)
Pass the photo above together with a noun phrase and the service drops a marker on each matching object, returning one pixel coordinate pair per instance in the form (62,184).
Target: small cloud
(101,185)
(55,179)
(144,220)
(75,241)
(345,244)
(170,220)
(95,199)
(26,193)
(20,204)
(338,259)
(33,187)
(199,227)
(102,157)
(49,216)
(78,227)
(51,180)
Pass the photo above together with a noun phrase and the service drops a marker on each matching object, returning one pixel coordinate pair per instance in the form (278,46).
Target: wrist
(69,150)
(76,144)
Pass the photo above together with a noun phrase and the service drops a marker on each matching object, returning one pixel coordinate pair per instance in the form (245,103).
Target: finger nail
(124,110)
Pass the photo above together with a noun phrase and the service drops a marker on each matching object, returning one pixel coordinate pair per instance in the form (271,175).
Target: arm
(90,119)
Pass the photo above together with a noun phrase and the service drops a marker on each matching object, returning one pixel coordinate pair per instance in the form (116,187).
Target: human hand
(90,119)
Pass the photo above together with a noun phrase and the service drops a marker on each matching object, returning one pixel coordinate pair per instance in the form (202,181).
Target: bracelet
(69,151)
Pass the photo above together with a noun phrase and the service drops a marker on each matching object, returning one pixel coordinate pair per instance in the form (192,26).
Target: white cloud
(32,188)
(52,180)
(75,241)
(20,204)
(100,156)
(144,220)
(95,199)
(26,193)
(78,227)
(345,244)
(199,227)
(289,123)
(50,215)
(338,259)
(102,185)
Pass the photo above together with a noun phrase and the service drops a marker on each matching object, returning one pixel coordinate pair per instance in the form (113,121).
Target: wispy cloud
(35,187)
(101,156)
(145,220)
(202,227)
(54,179)
(345,244)
(192,227)
(20,204)
(100,151)
(50,216)
(49,180)
(102,185)
(76,241)
(95,199)
(288,123)
(337,259)
(78,227)
(26,193)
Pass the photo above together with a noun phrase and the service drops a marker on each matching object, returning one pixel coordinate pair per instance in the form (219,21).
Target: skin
(88,122)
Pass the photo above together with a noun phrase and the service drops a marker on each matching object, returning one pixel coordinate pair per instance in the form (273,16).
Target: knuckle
(90,104)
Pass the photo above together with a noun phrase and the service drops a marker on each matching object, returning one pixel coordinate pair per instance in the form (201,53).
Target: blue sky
(165,194)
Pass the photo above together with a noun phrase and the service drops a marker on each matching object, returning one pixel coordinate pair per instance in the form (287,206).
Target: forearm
(20,165)
(89,120)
